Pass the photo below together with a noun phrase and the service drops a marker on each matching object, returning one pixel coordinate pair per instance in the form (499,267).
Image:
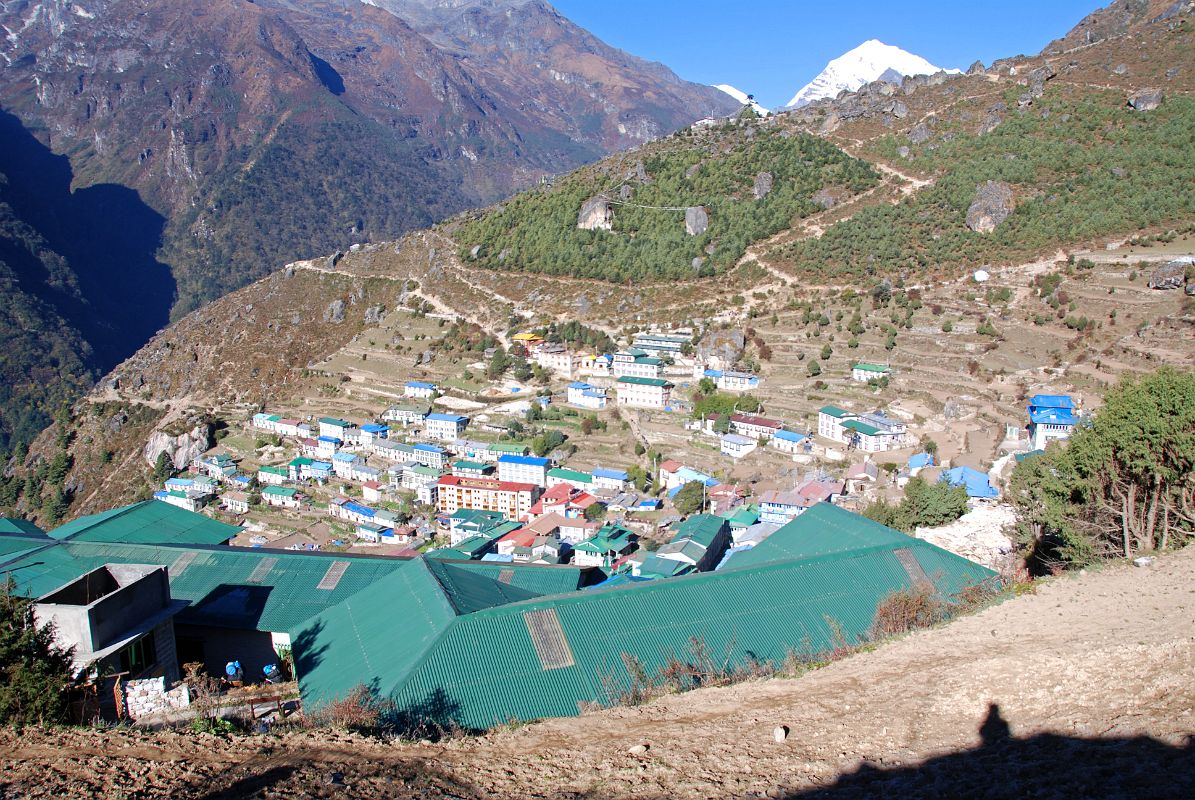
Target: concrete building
(419,389)
(513,500)
(117,618)
(523,469)
(644,392)
(584,395)
(635,363)
(1051,418)
(445,427)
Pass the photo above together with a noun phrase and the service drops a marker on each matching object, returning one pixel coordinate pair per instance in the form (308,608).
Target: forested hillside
(1080,166)
(715,169)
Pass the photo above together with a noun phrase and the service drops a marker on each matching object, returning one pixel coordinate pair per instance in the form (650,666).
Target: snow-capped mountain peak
(868,62)
(743,98)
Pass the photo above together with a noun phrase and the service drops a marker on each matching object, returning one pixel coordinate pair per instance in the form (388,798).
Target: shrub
(907,610)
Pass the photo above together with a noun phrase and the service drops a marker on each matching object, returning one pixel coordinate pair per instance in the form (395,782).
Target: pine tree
(33,669)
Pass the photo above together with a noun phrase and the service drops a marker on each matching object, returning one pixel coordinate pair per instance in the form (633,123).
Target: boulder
(992,205)
(625,191)
(697,220)
(903,151)
(334,313)
(697,263)
(181,448)
(596,214)
(920,133)
(976,68)
(475,251)
(333,260)
(1169,276)
(1146,99)
(723,347)
(830,123)
(374,314)
(824,198)
(900,110)
(763,185)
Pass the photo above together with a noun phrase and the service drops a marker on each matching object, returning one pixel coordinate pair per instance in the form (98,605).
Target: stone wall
(143,698)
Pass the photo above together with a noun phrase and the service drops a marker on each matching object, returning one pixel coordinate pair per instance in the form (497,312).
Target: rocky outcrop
(992,205)
(763,185)
(980,536)
(597,214)
(1146,99)
(920,133)
(182,448)
(697,220)
(824,198)
(334,313)
(374,315)
(721,349)
(1170,276)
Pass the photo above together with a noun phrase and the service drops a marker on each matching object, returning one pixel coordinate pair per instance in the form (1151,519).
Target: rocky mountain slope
(227,137)
(1060,312)
(1080,689)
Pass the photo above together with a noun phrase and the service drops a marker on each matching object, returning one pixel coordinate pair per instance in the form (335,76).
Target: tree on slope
(1122,485)
(33,669)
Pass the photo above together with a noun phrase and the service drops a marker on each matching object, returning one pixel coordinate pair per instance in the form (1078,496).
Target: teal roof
(861,427)
(14,526)
(822,530)
(547,654)
(258,589)
(701,528)
(835,411)
(871,367)
(743,516)
(570,475)
(644,381)
(280,491)
(147,522)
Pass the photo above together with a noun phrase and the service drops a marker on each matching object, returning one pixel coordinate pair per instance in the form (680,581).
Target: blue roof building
(1051,417)
(975,482)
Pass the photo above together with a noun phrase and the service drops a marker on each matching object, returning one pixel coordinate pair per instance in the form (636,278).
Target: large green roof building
(524,652)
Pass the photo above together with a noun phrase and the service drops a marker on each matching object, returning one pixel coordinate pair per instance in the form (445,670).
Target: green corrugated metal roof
(10,526)
(472,591)
(280,491)
(508,447)
(148,522)
(644,381)
(545,655)
(766,612)
(743,517)
(822,530)
(226,586)
(703,528)
(280,471)
(861,427)
(871,367)
(570,475)
(357,641)
(834,411)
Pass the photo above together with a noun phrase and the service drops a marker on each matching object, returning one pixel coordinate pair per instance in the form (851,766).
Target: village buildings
(445,427)
(583,395)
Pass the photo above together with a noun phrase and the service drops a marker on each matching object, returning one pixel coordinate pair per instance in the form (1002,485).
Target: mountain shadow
(112,289)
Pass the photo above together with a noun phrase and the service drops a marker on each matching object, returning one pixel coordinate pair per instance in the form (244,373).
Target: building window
(139,656)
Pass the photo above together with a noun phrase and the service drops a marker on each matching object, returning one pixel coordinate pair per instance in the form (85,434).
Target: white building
(635,363)
(864,372)
(524,469)
(644,392)
(736,446)
(584,395)
(420,389)
(445,427)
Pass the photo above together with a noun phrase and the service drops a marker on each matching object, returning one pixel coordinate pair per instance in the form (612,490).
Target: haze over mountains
(243,135)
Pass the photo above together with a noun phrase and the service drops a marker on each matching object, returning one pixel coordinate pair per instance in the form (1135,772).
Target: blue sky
(773,47)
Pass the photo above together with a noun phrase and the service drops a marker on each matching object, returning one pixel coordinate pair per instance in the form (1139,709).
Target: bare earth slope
(1093,678)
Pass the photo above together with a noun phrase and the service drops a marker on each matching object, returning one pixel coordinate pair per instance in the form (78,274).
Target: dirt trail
(1080,672)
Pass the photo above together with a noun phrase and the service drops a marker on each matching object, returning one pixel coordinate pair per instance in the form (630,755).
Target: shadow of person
(994,729)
